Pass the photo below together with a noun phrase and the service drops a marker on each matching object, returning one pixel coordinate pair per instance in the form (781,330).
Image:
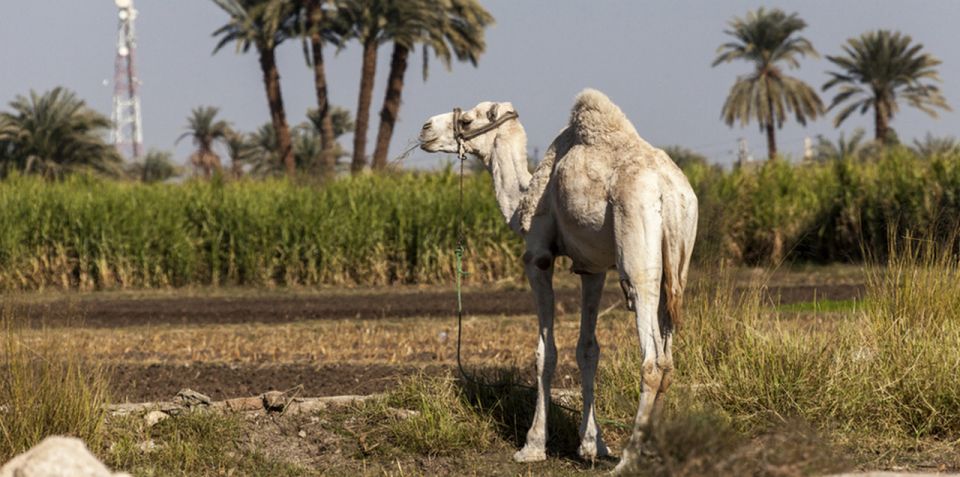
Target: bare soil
(153,382)
(138,376)
(116,312)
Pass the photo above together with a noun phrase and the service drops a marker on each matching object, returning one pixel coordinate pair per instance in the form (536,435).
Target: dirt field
(228,343)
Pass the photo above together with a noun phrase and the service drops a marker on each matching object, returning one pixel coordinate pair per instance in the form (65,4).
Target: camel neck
(508,166)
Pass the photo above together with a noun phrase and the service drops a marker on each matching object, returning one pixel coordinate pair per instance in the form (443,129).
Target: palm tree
(263,152)
(205,129)
(157,166)
(317,22)
(844,148)
(932,146)
(240,150)
(307,148)
(766,39)
(878,67)
(448,28)
(341,123)
(56,133)
(366,21)
(251,24)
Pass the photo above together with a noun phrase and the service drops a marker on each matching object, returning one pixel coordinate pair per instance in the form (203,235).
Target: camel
(605,198)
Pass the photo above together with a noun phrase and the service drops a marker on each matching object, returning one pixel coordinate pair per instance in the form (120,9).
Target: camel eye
(466,120)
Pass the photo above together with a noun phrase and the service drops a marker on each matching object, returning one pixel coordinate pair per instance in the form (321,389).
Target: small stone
(274,401)
(148,446)
(191,398)
(153,417)
(302,433)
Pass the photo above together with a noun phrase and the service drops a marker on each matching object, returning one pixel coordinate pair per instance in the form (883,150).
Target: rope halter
(462,136)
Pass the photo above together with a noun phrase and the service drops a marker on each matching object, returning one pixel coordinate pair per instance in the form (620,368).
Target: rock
(153,417)
(148,446)
(244,404)
(302,433)
(190,398)
(274,401)
(57,457)
(302,406)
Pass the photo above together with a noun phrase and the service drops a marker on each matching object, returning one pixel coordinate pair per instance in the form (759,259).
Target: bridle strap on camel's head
(462,137)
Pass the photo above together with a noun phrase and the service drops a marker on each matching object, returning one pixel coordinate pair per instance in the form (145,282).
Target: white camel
(605,198)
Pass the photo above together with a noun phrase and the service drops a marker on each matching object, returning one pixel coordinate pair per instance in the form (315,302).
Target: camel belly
(585,228)
(590,251)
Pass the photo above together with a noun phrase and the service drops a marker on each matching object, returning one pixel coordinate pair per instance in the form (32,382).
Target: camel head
(476,129)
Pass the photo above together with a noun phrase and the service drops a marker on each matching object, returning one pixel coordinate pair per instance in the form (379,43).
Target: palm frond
(878,67)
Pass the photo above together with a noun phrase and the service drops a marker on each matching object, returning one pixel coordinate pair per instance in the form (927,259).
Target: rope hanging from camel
(462,137)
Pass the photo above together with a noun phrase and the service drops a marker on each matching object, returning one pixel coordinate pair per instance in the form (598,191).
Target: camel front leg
(588,355)
(541,281)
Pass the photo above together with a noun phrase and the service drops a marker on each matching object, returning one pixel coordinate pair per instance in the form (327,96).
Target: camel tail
(596,120)
(676,262)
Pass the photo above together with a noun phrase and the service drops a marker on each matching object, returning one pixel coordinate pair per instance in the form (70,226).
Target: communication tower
(127,133)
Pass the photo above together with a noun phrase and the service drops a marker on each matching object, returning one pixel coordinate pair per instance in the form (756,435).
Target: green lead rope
(458,252)
(460,274)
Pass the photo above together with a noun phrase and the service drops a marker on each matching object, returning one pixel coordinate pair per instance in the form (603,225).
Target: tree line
(877,71)
(449,29)
(55,133)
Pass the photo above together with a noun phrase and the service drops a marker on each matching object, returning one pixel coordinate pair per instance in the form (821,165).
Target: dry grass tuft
(46,389)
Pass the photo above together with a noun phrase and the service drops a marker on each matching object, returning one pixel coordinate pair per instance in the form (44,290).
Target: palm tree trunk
(367,73)
(880,122)
(271,80)
(771,136)
(391,104)
(327,159)
(771,143)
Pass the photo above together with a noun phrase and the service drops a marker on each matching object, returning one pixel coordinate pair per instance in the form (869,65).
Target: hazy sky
(651,58)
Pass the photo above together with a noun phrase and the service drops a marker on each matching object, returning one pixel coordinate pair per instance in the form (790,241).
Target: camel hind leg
(638,230)
(677,246)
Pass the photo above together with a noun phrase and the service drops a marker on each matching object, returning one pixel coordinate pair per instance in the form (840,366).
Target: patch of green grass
(196,443)
(441,421)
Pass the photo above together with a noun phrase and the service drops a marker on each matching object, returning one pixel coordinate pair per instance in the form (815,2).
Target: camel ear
(493,113)
(499,109)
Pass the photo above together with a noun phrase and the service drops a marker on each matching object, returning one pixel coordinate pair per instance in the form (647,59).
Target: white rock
(148,446)
(57,457)
(153,417)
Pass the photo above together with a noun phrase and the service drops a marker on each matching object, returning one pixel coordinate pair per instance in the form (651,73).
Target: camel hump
(596,120)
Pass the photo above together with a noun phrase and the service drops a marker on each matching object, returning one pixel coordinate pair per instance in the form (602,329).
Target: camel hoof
(528,454)
(626,466)
(591,450)
(622,468)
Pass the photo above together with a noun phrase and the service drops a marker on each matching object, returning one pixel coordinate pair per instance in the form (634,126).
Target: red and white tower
(127,132)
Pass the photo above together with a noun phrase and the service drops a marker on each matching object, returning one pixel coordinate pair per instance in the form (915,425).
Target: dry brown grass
(488,340)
